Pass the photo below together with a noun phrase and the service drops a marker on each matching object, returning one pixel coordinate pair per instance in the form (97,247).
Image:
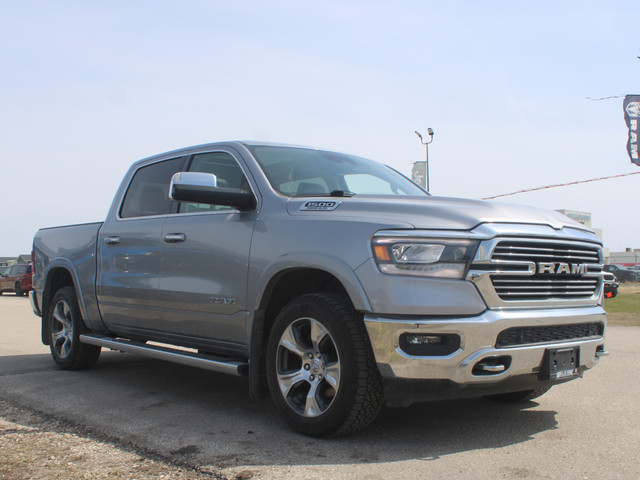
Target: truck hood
(441,213)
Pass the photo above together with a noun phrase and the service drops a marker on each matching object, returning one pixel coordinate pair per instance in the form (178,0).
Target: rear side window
(148,193)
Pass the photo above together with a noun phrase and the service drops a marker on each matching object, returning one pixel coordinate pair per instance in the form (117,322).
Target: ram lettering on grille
(560,268)
(557,270)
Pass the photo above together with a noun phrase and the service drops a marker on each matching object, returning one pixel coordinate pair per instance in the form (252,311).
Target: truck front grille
(539,270)
(518,336)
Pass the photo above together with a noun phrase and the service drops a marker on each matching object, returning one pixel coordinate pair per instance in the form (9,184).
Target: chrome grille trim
(511,252)
(518,272)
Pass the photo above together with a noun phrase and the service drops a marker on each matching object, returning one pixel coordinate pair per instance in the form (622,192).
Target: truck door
(205,263)
(130,251)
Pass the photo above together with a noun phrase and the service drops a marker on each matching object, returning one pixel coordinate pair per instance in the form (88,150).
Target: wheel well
(57,278)
(283,288)
(293,283)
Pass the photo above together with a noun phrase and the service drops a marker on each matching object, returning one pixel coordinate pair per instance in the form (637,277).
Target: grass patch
(624,309)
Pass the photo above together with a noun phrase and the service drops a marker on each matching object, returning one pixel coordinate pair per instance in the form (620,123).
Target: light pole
(426,144)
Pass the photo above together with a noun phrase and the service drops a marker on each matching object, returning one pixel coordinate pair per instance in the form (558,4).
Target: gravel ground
(35,447)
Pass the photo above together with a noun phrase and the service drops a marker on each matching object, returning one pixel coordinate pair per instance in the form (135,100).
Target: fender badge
(222,301)
(318,205)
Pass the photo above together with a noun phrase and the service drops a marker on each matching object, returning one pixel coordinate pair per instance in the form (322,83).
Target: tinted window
(148,193)
(228,174)
(18,270)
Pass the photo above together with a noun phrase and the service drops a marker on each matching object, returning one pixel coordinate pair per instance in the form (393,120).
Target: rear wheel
(320,367)
(523,396)
(18,289)
(65,327)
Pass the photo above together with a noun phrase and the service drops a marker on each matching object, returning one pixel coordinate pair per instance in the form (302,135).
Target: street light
(426,144)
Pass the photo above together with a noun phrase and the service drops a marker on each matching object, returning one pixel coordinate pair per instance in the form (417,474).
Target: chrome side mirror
(198,187)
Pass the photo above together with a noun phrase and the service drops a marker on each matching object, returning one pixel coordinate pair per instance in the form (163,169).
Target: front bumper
(33,299)
(478,336)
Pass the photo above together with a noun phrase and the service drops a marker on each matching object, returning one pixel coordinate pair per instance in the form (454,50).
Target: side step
(192,359)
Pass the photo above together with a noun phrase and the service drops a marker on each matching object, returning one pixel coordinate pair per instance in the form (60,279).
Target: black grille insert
(517,336)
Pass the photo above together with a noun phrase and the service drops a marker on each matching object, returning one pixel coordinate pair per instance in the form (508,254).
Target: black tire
(523,396)
(330,386)
(18,290)
(65,327)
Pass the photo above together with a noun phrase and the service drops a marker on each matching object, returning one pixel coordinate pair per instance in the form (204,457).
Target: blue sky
(89,87)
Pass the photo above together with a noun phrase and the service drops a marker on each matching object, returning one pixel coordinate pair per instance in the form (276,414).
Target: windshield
(299,172)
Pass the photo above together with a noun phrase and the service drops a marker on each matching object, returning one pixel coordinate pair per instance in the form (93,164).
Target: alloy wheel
(308,367)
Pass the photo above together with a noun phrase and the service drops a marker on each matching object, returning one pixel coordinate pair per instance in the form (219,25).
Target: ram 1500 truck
(329,280)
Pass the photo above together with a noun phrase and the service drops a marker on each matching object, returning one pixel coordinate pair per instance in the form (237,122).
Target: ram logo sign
(563,268)
(632,118)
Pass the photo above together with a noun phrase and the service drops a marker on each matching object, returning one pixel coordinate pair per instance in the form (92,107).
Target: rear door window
(148,193)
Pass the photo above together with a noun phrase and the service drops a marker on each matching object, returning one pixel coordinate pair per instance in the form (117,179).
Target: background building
(629,258)
(8,261)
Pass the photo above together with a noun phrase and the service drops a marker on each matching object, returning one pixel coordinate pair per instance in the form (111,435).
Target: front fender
(296,260)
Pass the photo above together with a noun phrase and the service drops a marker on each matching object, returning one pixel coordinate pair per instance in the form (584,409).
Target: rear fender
(85,293)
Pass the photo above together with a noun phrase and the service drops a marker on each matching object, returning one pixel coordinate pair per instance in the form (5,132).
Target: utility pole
(420,172)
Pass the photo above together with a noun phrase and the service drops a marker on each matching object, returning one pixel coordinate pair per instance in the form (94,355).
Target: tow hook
(491,366)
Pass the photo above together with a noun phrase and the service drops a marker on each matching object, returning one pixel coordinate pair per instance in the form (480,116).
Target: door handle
(175,237)
(111,240)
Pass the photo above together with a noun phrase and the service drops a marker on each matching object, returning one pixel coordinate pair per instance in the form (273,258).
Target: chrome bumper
(478,337)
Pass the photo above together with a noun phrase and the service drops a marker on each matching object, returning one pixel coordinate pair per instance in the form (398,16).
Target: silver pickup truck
(329,280)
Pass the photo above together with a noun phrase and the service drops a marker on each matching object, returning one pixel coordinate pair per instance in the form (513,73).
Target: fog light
(423,339)
(429,344)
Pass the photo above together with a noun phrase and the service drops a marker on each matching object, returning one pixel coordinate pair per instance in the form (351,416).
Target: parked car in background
(4,270)
(610,285)
(623,274)
(17,279)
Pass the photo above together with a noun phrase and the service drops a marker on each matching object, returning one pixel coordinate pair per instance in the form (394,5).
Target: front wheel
(320,367)
(65,327)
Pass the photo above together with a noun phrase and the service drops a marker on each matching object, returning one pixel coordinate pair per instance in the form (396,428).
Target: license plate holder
(560,363)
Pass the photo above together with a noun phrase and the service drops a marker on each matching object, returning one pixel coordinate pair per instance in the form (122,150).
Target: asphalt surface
(585,429)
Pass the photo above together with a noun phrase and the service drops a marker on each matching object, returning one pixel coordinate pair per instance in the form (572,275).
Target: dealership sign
(632,117)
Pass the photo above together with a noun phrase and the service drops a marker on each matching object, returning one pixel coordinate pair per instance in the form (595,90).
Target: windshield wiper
(334,193)
(342,193)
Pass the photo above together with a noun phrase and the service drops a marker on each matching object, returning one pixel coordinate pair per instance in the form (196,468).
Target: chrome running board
(175,355)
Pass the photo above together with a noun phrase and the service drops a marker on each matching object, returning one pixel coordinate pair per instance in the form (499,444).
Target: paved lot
(586,429)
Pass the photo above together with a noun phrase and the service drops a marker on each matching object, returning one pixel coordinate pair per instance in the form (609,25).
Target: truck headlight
(447,258)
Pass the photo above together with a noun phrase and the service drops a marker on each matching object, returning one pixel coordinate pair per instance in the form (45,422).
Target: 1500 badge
(317,205)
(222,301)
